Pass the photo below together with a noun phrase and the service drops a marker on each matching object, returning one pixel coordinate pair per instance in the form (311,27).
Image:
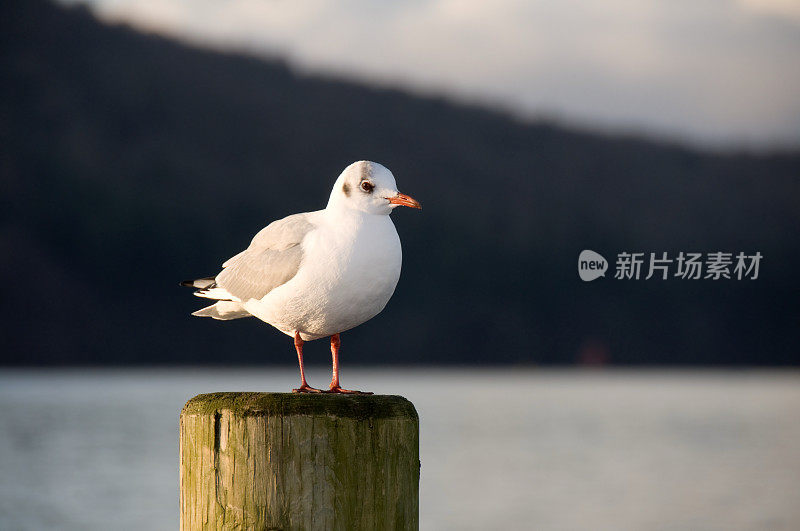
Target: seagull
(318,274)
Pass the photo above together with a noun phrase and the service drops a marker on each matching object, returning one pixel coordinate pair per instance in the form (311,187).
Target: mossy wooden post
(299,461)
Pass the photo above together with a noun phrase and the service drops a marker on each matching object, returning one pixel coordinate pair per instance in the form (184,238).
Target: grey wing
(273,258)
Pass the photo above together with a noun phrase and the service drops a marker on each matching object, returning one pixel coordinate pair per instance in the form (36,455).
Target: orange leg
(336,342)
(304,387)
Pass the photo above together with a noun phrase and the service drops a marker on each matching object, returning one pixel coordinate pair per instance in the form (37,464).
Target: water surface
(500,449)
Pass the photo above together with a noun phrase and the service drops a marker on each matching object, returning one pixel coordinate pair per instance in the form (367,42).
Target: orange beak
(405,200)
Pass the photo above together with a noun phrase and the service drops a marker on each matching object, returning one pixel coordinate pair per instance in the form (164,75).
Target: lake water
(500,449)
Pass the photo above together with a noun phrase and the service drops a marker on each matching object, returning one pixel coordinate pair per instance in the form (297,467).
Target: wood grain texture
(298,461)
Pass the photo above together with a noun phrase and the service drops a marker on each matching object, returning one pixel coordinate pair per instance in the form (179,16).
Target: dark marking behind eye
(346,189)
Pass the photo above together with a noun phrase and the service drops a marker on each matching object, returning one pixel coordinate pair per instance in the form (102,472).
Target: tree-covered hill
(129,162)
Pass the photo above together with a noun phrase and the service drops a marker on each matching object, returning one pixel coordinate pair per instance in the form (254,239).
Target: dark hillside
(129,162)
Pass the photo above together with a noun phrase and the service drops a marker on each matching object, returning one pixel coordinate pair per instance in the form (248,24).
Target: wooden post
(299,461)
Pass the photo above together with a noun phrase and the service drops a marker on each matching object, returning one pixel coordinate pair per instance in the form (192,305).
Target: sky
(716,73)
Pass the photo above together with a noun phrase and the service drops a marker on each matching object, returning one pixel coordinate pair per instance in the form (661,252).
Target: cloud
(716,72)
(789,9)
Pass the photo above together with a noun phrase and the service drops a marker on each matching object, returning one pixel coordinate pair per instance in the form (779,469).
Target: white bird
(318,274)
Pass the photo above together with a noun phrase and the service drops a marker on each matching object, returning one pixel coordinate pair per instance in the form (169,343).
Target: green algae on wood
(299,461)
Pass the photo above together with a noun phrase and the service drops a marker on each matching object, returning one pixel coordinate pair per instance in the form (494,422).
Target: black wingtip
(201,283)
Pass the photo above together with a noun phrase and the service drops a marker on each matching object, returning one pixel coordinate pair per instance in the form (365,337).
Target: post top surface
(283,404)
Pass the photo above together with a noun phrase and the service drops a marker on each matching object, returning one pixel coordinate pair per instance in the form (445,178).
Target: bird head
(368,187)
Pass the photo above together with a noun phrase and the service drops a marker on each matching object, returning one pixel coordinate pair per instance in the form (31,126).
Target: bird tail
(228,307)
(223,311)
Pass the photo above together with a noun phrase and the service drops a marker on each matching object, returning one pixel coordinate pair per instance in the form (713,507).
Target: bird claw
(339,390)
(307,389)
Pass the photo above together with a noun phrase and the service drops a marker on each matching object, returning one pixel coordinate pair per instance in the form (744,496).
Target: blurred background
(145,142)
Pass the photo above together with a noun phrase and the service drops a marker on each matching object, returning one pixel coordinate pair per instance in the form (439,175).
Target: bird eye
(367,186)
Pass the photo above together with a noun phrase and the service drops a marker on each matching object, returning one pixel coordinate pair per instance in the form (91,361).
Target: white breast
(350,268)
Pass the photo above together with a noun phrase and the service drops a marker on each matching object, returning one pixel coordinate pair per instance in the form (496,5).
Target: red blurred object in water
(593,353)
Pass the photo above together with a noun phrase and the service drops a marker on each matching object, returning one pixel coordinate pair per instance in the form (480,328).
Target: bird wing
(271,260)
